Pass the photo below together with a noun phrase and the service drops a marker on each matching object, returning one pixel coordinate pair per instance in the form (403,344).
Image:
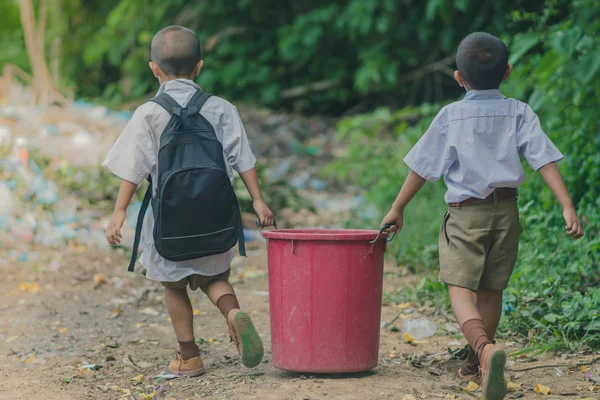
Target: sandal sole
(496,385)
(251,346)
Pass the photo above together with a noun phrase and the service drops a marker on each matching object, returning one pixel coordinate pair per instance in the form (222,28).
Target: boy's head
(482,61)
(175,53)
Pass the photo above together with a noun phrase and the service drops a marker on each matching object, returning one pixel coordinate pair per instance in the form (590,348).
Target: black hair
(176,50)
(482,59)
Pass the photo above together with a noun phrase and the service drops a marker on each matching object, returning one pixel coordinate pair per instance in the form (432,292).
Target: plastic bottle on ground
(420,328)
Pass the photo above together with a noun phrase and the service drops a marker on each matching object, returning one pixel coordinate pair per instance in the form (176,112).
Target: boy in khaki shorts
(476,145)
(176,61)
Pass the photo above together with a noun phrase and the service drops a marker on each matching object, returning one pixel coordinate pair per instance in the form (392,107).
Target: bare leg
(181,313)
(182,318)
(464,304)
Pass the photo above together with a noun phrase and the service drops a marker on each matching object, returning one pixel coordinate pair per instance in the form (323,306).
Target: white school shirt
(476,145)
(135,156)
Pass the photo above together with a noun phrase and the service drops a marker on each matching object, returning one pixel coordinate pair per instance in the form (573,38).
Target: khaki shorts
(479,245)
(197,281)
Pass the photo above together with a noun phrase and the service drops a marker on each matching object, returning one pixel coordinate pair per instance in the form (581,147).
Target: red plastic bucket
(325,290)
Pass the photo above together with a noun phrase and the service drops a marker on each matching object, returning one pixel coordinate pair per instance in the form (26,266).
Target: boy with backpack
(186,143)
(476,145)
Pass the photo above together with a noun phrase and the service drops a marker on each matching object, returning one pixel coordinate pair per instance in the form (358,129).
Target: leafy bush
(333,52)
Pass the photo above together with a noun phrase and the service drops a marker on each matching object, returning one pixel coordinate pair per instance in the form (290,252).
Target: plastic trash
(66,231)
(7,201)
(45,191)
(132,213)
(65,211)
(300,181)
(5,136)
(420,328)
(23,228)
(252,235)
(280,171)
(317,185)
(48,236)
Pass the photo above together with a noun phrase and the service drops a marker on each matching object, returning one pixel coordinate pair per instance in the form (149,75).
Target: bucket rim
(321,234)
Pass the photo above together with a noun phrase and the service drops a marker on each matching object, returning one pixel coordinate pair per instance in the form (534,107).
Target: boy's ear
(459,78)
(155,69)
(198,67)
(509,69)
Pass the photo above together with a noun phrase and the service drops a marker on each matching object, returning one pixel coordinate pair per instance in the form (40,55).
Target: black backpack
(196,212)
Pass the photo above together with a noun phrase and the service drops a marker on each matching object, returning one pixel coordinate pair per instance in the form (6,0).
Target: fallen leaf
(593,388)
(451,396)
(196,312)
(472,386)
(147,396)
(545,390)
(99,280)
(138,379)
(77,248)
(115,313)
(409,338)
(213,341)
(30,359)
(29,287)
(403,306)
(512,385)
(391,354)
(62,330)
(584,369)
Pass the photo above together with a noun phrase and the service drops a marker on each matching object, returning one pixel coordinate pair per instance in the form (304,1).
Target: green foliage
(555,289)
(258,49)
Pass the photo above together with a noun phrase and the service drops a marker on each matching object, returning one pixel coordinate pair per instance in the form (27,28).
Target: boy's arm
(411,187)
(113,231)
(554,180)
(263,212)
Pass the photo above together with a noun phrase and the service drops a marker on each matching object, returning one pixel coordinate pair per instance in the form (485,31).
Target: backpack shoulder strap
(138,226)
(166,102)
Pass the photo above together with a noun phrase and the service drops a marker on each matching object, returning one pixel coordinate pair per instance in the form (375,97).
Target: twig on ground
(393,320)
(594,361)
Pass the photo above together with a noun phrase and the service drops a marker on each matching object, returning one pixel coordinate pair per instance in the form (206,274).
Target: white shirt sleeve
(132,157)
(533,144)
(235,143)
(431,157)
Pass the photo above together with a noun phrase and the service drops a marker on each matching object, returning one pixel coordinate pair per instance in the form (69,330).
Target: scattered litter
(421,328)
(91,367)
(196,312)
(99,280)
(138,379)
(472,386)
(62,330)
(512,385)
(149,311)
(29,287)
(128,361)
(166,376)
(545,390)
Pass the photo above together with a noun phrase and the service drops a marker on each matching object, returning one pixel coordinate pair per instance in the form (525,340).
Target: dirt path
(46,333)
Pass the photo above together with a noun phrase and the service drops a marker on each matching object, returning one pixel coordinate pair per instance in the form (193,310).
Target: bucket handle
(381,230)
(260,229)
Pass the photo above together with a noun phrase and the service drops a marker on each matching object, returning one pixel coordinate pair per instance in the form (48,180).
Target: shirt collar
(490,94)
(170,85)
